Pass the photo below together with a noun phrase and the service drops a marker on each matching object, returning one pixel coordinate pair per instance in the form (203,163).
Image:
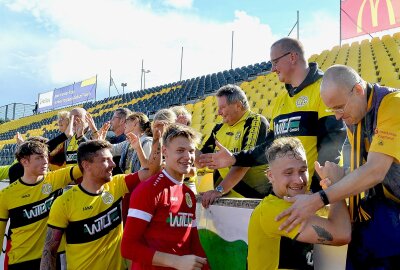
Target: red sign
(360,17)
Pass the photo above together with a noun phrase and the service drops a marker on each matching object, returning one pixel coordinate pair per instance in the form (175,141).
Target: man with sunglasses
(373,184)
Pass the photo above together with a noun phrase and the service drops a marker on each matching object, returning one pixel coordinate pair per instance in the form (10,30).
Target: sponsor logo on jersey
(287,125)
(39,209)
(87,207)
(103,222)
(180,220)
(47,188)
(72,157)
(237,136)
(26,196)
(107,197)
(301,101)
(174,199)
(188,200)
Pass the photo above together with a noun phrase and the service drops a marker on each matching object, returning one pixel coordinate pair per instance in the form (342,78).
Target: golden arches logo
(374,6)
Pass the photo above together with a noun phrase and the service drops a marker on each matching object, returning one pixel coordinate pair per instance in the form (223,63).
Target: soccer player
(288,173)
(90,213)
(27,201)
(161,228)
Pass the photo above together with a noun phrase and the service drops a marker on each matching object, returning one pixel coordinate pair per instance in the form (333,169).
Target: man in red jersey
(161,232)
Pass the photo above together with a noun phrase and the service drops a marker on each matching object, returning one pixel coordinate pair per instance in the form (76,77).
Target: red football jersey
(169,209)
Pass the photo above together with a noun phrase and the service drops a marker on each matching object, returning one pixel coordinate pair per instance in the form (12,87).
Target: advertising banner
(360,17)
(45,101)
(68,95)
(75,93)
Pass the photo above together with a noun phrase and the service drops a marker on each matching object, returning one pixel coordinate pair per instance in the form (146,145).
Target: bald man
(373,184)
(82,133)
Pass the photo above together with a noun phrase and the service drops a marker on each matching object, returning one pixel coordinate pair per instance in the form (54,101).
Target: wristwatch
(220,189)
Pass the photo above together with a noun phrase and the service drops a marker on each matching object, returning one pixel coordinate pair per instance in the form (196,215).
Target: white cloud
(180,4)
(95,36)
(319,33)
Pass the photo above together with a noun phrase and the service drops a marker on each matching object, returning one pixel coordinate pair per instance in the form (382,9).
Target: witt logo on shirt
(103,222)
(39,209)
(287,125)
(72,157)
(180,220)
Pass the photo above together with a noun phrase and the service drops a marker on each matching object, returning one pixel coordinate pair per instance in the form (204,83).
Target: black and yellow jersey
(270,248)
(300,112)
(249,131)
(27,206)
(93,224)
(298,116)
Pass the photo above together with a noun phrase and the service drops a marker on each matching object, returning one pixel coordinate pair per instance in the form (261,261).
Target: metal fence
(16,110)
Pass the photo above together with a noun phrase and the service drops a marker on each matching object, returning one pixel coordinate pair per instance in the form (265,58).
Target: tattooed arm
(52,242)
(153,164)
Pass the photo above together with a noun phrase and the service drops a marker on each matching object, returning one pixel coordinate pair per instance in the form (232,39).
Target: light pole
(123,87)
(144,77)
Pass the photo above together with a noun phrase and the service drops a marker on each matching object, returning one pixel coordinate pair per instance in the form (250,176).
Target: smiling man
(288,173)
(241,129)
(161,230)
(26,204)
(90,213)
(373,128)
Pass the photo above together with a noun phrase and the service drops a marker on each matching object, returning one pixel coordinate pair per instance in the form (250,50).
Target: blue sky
(47,44)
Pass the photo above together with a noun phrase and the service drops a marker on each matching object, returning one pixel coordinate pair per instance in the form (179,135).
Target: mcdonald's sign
(359,17)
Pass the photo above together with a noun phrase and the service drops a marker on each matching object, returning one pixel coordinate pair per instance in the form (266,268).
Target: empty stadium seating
(376,60)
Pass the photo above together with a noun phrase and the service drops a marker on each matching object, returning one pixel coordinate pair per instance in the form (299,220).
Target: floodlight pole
(298,25)
(180,76)
(340,23)
(141,76)
(233,32)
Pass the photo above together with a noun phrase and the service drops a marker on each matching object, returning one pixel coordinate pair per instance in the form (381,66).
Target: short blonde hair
(63,115)
(181,110)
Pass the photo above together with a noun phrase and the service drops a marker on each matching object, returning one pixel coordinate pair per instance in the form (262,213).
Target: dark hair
(88,150)
(233,93)
(31,147)
(123,112)
(282,146)
(177,130)
(144,122)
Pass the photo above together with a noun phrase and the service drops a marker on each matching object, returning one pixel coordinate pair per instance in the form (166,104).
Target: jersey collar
(173,180)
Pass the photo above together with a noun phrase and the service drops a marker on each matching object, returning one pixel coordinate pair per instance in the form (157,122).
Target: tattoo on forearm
(52,242)
(323,235)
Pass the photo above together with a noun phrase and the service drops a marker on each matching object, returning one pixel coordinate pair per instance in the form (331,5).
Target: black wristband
(323,196)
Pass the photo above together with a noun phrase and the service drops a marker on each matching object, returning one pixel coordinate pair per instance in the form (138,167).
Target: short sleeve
(386,137)
(58,217)
(269,211)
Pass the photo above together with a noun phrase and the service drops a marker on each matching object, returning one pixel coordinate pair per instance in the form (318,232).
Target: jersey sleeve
(4,172)
(142,207)
(62,177)
(209,141)
(58,217)
(3,206)
(386,139)
(131,181)
(270,227)
(256,133)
